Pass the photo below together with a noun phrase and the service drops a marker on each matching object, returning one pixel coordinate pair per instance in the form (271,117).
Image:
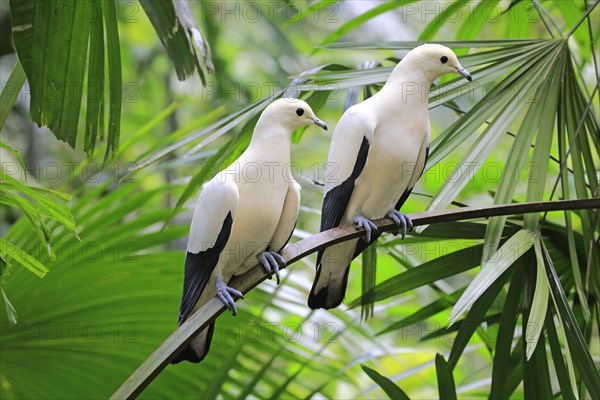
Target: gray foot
(362,222)
(402,221)
(271,260)
(226,294)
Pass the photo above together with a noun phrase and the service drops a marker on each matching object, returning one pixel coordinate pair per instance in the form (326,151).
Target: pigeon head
(291,113)
(434,60)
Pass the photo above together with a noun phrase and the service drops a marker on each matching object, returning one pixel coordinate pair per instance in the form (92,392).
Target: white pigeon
(244,215)
(378,152)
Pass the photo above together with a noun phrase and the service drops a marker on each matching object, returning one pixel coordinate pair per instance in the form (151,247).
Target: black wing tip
(322,300)
(181,318)
(188,354)
(336,200)
(316,300)
(198,269)
(325,298)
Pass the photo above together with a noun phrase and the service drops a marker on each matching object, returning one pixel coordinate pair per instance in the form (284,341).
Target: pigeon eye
(300,112)
(444,59)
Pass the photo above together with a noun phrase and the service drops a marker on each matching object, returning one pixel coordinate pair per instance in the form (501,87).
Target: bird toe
(409,221)
(402,221)
(262,258)
(224,293)
(271,260)
(403,224)
(365,223)
(275,259)
(280,260)
(234,292)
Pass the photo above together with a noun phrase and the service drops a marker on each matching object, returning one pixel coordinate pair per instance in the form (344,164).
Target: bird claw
(271,260)
(226,294)
(401,220)
(367,224)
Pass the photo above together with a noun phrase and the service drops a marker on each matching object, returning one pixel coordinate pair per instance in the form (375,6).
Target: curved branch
(167,351)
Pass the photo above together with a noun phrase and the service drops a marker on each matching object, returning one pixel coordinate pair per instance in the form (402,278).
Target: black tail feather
(188,353)
(329,296)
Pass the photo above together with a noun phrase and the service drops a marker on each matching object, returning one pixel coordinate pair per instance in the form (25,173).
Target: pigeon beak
(320,123)
(464,73)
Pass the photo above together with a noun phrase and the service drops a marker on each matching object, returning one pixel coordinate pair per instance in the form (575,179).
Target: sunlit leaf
(508,253)
(10,252)
(539,305)
(10,91)
(389,387)
(11,313)
(15,154)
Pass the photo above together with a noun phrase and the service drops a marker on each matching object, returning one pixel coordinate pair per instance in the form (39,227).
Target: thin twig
(168,350)
(583,18)
(539,8)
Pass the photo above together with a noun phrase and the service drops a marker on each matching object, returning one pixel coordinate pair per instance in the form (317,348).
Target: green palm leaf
(54,53)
